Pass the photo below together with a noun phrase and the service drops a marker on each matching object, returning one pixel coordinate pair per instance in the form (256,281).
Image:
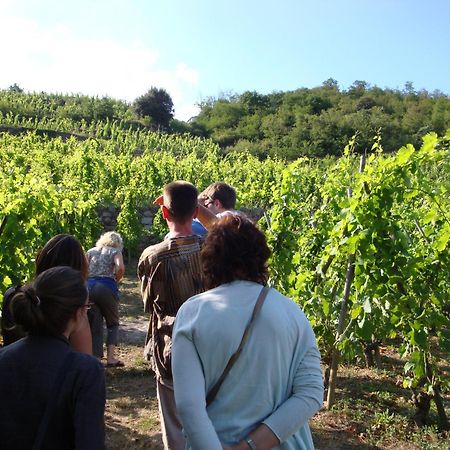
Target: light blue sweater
(277,379)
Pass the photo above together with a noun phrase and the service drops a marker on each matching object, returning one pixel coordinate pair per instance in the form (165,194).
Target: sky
(196,49)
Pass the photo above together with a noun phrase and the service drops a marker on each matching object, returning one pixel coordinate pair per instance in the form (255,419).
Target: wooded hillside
(305,122)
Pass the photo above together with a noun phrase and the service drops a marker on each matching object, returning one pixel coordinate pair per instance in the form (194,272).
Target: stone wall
(146,216)
(108,218)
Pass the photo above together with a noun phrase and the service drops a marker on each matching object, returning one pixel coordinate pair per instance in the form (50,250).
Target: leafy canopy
(157,105)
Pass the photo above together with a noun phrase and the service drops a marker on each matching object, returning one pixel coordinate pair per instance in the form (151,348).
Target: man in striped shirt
(170,273)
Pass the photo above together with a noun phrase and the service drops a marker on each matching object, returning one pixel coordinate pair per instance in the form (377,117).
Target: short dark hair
(62,250)
(180,198)
(235,249)
(45,306)
(223,192)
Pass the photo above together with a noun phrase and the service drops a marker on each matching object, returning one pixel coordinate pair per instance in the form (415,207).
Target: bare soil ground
(372,410)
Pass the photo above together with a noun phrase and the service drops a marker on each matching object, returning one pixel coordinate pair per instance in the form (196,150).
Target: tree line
(305,122)
(321,121)
(153,110)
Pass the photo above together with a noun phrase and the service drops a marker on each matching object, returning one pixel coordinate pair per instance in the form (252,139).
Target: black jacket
(28,369)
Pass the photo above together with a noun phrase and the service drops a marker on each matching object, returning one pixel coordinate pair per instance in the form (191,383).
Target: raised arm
(205,216)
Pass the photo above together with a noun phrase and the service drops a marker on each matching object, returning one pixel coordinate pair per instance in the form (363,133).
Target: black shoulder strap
(54,395)
(215,389)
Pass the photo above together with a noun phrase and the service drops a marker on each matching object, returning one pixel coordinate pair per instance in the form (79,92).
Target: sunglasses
(208,201)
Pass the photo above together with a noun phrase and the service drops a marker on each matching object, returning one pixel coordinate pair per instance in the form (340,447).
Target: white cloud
(187,74)
(4,4)
(57,60)
(186,111)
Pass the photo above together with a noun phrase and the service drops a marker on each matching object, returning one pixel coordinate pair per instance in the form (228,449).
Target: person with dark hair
(61,250)
(52,396)
(170,273)
(239,390)
(219,197)
(216,201)
(106,269)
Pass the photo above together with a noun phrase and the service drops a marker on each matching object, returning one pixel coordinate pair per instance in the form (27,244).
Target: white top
(276,380)
(228,212)
(101,261)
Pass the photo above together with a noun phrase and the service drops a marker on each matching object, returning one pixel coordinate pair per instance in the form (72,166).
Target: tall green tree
(157,105)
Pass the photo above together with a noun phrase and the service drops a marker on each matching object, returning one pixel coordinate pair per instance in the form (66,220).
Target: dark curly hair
(235,249)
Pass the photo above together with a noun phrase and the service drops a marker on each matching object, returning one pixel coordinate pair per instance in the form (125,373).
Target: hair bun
(31,294)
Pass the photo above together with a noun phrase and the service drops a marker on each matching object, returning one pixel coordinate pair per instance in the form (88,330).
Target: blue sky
(201,48)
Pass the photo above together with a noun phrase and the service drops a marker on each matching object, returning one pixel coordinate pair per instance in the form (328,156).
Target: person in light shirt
(106,269)
(276,384)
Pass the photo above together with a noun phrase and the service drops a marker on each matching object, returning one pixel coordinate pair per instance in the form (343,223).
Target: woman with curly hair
(275,382)
(106,268)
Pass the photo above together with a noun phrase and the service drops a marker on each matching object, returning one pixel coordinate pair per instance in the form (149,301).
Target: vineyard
(361,243)
(365,251)
(51,185)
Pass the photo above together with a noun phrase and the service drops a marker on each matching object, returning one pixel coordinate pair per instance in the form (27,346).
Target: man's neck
(178,229)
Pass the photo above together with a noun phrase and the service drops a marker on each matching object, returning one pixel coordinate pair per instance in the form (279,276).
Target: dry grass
(132,409)
(131,417)
(372,410)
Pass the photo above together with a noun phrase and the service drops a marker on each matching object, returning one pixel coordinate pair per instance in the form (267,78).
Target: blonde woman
(106,268)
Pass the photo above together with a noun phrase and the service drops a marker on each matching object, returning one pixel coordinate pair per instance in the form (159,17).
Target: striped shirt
(170,273)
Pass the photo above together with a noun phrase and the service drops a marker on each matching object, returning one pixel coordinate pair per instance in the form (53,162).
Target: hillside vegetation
(320,121)
(361,242)
(305,122)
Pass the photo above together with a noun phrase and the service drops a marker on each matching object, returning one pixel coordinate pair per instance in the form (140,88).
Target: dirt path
(132,410)
(132,331)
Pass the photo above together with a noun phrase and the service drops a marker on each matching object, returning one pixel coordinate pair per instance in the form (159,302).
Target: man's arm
(205,216)
(143,273)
